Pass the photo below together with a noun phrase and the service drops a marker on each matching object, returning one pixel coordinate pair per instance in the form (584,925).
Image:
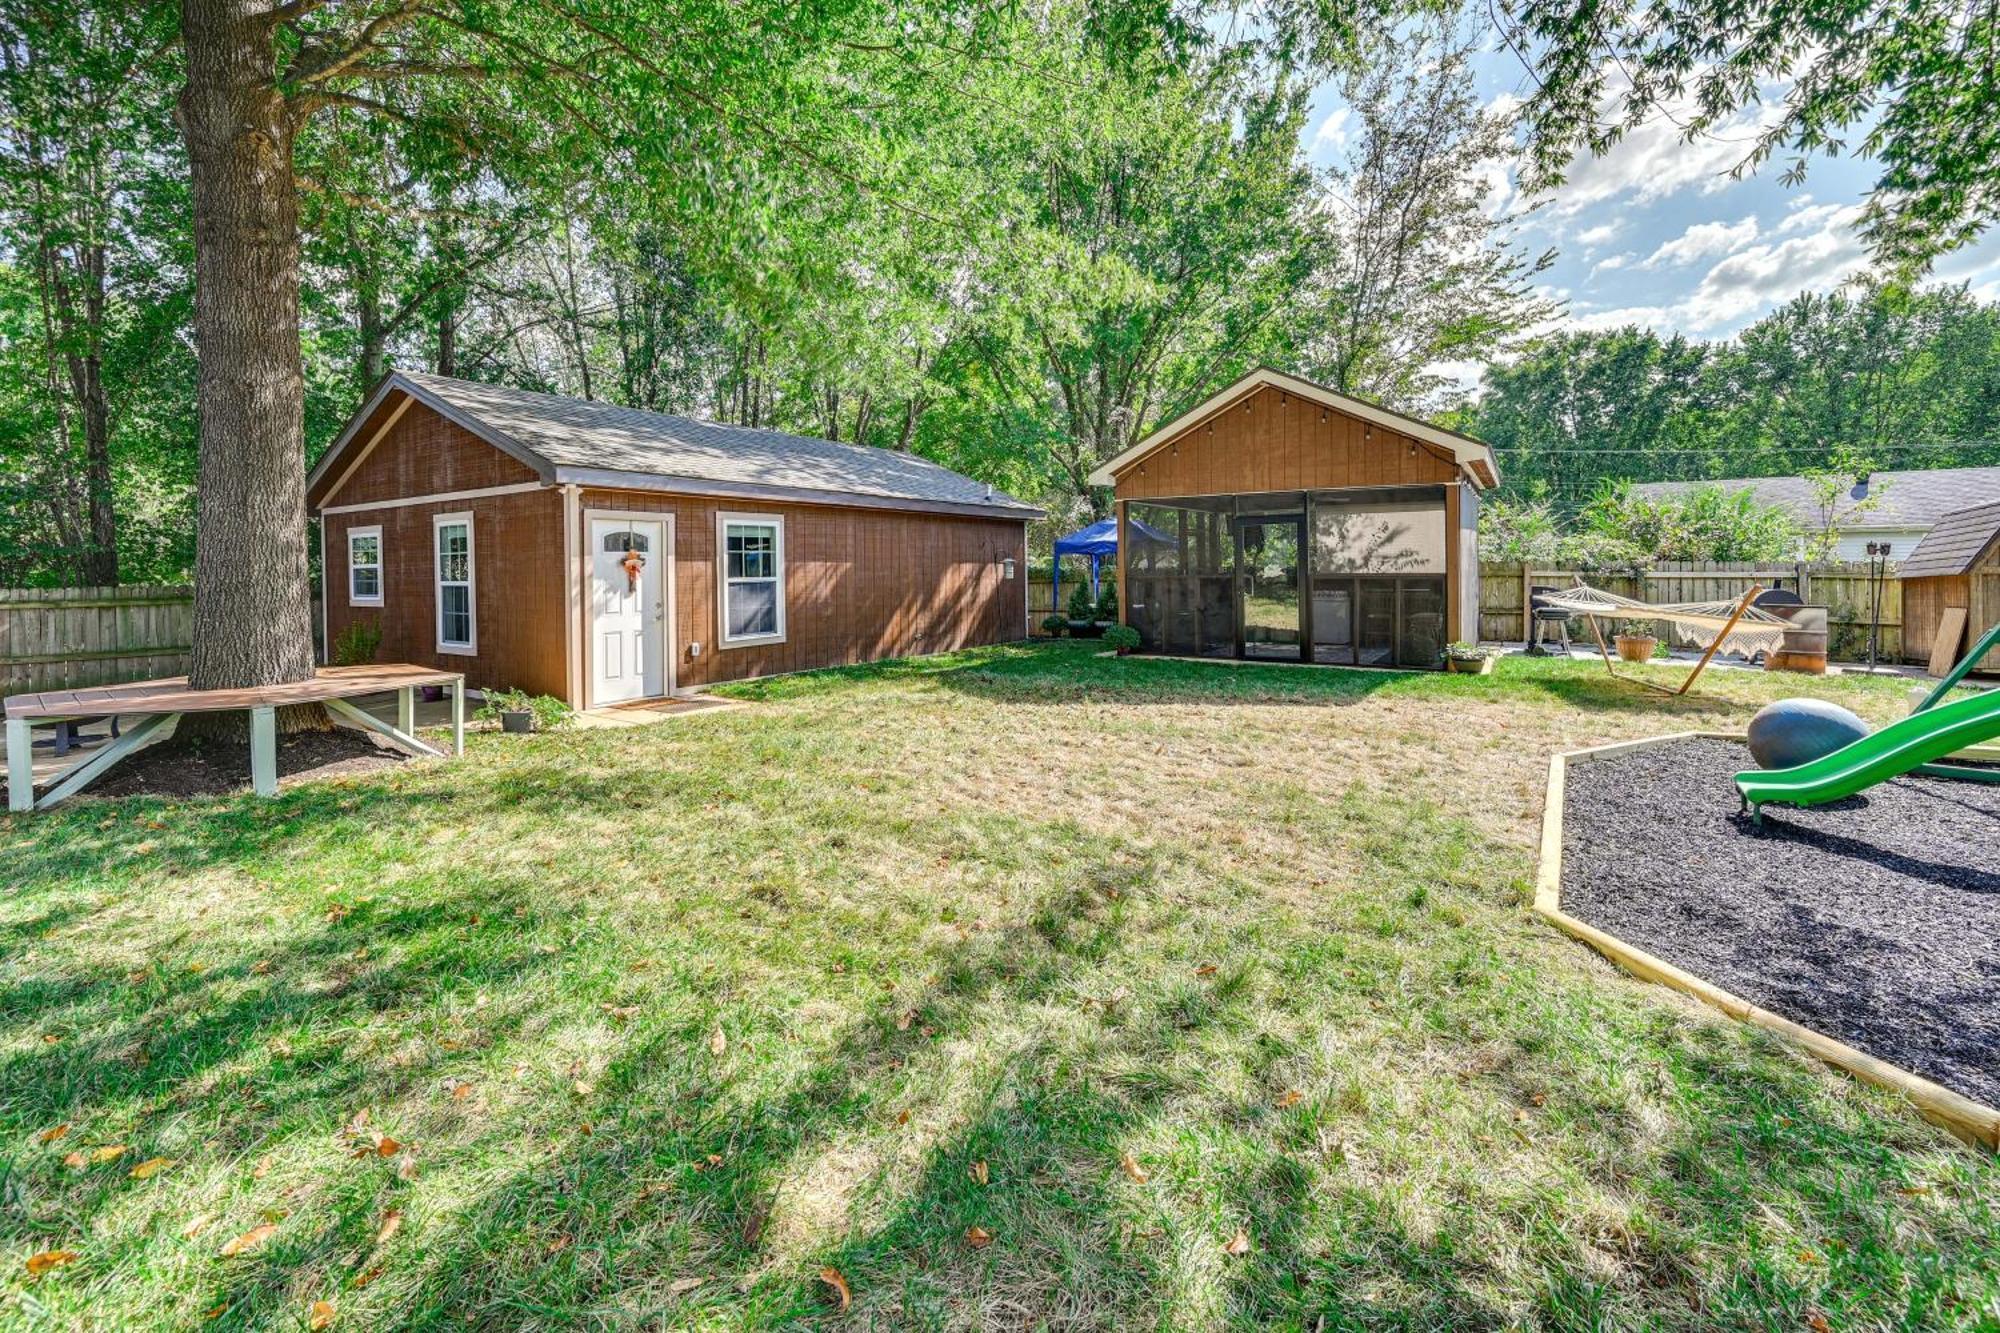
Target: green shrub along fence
(69,638)
(1842,588)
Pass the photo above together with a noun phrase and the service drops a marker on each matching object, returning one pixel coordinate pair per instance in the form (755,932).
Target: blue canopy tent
(1097,541)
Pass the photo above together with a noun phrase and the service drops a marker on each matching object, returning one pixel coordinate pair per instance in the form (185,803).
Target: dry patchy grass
(1176,952)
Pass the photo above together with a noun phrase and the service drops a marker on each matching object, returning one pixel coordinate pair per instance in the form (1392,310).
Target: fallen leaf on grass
(196,1227)
(683,1285)
(151,1167)
(262,1169)
(363,1279)
(39,1264)
(1205,970)
(903,1116)
(392,1222)
(978,1237)
(217,1312)
(110,1152)
(1817,1322)
(978,1172)
(1289,1098)
(1239,1244)
(261,967)
(75,1161)
(322,1315)
(620,1012)
(717,1042)
(832,1278)
(249,1241)
(582,1089)
(1130,1165)
(51,1135)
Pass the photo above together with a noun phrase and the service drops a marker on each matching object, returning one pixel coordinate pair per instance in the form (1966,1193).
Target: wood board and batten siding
(883,576)
(859,584)
(72,638)
(1273,441)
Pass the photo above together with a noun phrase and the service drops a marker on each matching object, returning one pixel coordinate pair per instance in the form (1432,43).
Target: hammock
(1707,625)
(1742,628)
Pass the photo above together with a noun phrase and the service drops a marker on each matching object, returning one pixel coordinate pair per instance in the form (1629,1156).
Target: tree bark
(252,609)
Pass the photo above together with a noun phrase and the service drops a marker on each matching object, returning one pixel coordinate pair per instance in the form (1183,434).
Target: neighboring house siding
(517,588)
(1280,445)
(1851,545)
(860,584)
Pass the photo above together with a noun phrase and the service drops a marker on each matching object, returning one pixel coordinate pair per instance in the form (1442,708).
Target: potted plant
(1082,622)
(1467,659)
(1123,638)
(514,709)
(1053,626)
(1636,647)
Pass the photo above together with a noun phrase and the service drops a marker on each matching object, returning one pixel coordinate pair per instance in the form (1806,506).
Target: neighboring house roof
(1954,544)
(1909,499)
(1475,456)
(570,440)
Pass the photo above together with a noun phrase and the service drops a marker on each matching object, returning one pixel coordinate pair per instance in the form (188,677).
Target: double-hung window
(752,548)
(457,611)
(364,566)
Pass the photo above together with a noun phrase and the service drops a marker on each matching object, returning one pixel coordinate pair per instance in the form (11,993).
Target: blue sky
(1655,232)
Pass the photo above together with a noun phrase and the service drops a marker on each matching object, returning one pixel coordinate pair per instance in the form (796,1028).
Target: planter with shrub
(1054,626)
(1467,659)
(1636,647)
(520,712)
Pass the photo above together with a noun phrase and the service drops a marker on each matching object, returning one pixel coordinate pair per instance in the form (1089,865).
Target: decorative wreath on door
(632,564)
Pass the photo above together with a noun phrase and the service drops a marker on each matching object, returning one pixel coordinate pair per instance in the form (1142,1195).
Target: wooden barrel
(1803,650)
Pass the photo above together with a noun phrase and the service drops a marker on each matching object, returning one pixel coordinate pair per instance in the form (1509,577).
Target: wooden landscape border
(1972,1121)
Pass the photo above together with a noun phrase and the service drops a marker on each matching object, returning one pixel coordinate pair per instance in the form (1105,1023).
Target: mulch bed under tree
(178,767)
(1873,920)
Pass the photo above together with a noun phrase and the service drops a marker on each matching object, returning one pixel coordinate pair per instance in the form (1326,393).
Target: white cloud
(1702,240)
(1806,215)
(1598,235)
(1652,161)
(1750,279)
(1332,133)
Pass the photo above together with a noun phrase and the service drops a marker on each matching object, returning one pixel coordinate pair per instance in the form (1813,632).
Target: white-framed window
(750,551)
(457,608)
(364,566)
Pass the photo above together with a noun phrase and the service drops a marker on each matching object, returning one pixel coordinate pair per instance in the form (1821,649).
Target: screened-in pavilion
(1301,525)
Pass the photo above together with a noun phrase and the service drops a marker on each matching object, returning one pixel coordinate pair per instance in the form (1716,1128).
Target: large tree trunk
(252,609)
(99,566)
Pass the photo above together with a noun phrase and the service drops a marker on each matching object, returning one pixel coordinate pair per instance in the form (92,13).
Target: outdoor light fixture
(1860,491)
(1007,568)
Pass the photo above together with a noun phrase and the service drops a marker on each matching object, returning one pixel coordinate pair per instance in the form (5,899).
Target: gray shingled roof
(1910,499)
(575,436)
(1954,544)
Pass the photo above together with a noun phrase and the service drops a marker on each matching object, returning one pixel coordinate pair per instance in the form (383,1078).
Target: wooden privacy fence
(68,638)
(1842,588)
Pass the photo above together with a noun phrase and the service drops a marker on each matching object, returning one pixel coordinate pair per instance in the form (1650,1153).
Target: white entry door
(628,609)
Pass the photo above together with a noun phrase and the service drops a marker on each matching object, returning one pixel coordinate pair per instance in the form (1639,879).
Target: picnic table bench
(159,704)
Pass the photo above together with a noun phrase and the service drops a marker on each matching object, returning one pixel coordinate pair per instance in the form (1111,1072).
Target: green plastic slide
(1917,741)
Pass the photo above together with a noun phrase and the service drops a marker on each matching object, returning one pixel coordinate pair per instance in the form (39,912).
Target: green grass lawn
(1014,987)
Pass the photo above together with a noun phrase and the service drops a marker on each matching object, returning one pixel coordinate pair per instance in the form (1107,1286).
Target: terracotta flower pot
(1636,647)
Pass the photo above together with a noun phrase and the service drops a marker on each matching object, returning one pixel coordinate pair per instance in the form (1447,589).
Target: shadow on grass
(692,1169)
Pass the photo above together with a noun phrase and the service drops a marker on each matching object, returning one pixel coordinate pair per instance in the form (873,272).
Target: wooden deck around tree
(173,695)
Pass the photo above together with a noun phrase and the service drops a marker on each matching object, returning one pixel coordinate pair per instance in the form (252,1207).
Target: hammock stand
(1590,603)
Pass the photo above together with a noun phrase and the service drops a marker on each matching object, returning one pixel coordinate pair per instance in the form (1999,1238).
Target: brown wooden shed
(1282,521)
(1955,566)
(603,554)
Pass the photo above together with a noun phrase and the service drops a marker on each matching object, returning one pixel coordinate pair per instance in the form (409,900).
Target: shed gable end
(408,449)
(1271,440)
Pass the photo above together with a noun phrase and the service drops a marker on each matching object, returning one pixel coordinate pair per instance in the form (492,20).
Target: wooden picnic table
(159,703)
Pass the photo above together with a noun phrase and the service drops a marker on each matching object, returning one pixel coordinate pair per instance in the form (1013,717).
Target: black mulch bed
(1875,920)
(180,768)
